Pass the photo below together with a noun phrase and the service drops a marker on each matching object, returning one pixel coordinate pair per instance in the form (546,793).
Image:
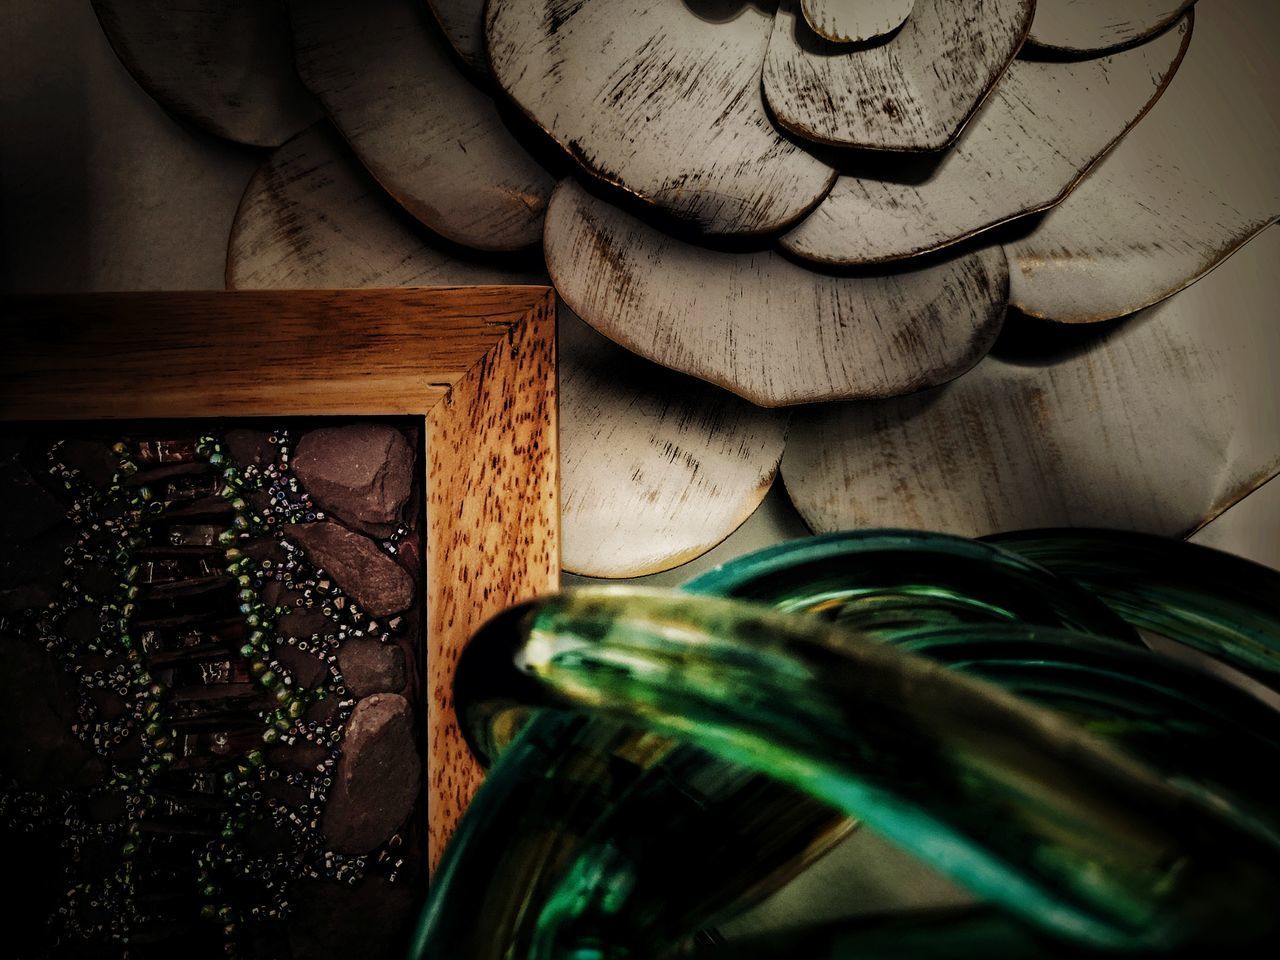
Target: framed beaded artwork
(244,537)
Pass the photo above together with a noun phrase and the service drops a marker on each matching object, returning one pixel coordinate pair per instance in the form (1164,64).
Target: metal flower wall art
(840,238)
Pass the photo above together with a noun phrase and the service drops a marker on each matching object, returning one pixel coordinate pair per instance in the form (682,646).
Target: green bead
(226,537)
(284,695)
(269,679)
(295,708)
(239,505)
(255,758)
(235,553)
(258,668)
(270,735)
(247,651)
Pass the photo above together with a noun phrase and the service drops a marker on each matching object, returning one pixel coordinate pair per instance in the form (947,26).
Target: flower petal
(853,21)
(1097,25)
(1173,199)
(762,326)
(652,97)
(1161,422)
(656,468)
(463,24)
(431,138)
(1045,124)
(914,91)
(312,217)
(225,65)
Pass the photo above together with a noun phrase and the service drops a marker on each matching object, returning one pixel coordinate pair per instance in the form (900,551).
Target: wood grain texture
(493,528)
(1043,127)
(225,65)
(1093,26)
(313,217)
(699,458)
(914,91)
(662,99)
(656,468)
(1175,197)
(429,136)
(478,363)
(462,22)
(852,21)
(1157,424)
(112,356)
(762,326)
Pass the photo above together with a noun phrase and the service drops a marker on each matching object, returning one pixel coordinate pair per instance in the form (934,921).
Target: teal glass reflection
(664,759)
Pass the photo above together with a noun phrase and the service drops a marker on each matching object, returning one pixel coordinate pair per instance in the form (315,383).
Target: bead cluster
(157,771)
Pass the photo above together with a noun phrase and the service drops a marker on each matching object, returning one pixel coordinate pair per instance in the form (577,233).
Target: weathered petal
(1159,423)
(1097,25)
(431,138)
(652,97)
(762,326)
(1175,197)
(656,468)
(312,217)
(1045,124)
(463,24)
(225,65)
(851,21)
(914,91)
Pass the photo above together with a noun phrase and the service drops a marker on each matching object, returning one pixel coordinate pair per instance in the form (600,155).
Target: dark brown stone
(369,921)
(367,574)
(307,669)
(303,623)
(361,473)
(377,778)
(370,666)
(37,709)
(249,447)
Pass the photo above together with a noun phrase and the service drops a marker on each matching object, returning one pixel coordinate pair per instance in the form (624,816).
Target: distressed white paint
(656,468)
(1044,125)
(1097,25)
(225,65)
(431,138)
(662,99)
(763,326)
(1155,424)
(851,21)
(1193,181)
(462,22)
(915,91)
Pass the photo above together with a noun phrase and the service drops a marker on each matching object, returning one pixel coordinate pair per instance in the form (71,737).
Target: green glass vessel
(661,760)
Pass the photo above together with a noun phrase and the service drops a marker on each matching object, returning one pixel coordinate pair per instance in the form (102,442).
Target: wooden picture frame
(478,364)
